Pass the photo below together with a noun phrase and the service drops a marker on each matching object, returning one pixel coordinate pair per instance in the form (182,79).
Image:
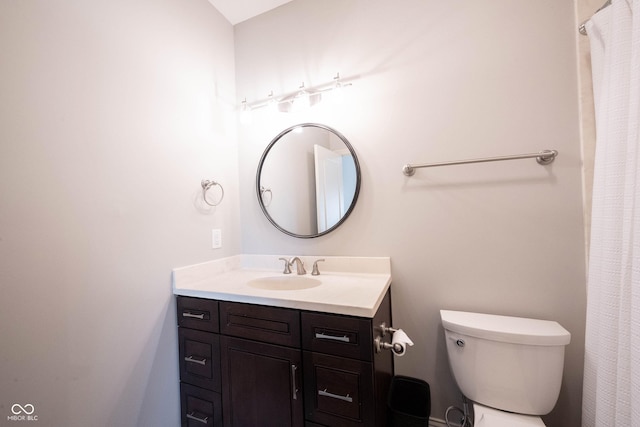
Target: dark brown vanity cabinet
(199,352)
(345,380)
(261,366)
(283,367)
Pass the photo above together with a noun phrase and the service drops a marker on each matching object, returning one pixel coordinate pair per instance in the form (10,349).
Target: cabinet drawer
(200,358)
(338,391)
(337,335)
(198,313)
(200,407)
(261,323)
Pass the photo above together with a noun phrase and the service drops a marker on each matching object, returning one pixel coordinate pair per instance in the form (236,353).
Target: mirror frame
(355,195)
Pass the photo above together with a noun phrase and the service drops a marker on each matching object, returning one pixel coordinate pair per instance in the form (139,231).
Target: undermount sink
(284,283)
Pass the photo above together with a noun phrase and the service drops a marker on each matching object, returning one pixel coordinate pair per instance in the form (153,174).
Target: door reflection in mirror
(334,179)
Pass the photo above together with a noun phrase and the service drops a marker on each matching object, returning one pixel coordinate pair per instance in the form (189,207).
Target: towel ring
(263,191)
(206,185)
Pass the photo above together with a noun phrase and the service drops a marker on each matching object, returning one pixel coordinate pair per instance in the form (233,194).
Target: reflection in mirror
(308,180)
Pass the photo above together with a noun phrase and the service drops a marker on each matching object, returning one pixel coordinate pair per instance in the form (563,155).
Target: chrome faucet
(299,265)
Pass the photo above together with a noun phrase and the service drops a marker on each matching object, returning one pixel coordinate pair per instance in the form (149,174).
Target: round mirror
(308,180)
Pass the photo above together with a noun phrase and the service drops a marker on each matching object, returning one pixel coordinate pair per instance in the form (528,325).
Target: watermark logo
(18,409)
(22,412)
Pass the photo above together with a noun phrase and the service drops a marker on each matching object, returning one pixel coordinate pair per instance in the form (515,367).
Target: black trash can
(409,402)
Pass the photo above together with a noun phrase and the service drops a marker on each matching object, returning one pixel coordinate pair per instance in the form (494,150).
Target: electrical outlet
(216,238)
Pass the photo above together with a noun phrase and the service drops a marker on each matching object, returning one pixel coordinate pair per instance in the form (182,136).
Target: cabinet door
(338,391)
(262,384)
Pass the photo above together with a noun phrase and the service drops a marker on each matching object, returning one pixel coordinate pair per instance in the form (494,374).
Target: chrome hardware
(325,393)
(190,359)
(206,185)
(582,29)
(263,191)
(459,341)
(192,416)
(193,316)
(323,336)
(384,329)
(287,266)
(315,271)
(380,345)
(544,157)
(294,368)
(299,265)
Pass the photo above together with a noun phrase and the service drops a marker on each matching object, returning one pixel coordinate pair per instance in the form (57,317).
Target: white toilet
(509,367)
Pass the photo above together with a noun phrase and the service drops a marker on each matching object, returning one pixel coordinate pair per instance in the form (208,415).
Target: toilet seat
(489,417)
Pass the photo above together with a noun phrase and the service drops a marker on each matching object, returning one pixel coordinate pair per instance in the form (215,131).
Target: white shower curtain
(612,345)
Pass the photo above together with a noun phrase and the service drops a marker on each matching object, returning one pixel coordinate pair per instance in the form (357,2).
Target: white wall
(110,115)
(437,81)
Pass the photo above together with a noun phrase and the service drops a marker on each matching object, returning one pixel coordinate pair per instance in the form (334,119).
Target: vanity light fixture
(337,91)
(300,100)
(272,104)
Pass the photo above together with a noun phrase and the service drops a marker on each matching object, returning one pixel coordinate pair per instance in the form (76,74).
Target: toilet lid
(489,417)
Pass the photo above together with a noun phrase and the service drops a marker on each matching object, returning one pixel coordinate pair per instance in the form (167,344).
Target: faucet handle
(287,266)
(315,271)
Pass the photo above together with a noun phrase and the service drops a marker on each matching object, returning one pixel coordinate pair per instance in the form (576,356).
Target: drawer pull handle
(323,336)
(325,393)
(294,387)
(190,359)
(193,316)
(193,416)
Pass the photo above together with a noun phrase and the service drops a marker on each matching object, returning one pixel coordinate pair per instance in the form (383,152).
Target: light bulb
(337,92)
(272,104)
(301,101)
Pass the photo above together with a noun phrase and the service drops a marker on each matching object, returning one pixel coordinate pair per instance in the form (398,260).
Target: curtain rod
(582,29)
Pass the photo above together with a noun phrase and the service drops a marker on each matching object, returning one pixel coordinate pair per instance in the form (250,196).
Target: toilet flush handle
(459,341)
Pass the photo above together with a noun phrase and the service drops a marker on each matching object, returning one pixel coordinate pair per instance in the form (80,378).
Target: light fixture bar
(289,97)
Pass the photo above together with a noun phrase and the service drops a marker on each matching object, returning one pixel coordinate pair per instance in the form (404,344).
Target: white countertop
(352,286)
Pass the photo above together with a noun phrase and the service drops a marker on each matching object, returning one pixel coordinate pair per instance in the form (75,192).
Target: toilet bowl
(509,367)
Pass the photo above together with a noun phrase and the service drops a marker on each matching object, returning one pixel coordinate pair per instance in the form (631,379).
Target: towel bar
(543,157)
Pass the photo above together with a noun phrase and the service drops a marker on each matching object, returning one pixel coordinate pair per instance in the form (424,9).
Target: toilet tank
(509,363)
